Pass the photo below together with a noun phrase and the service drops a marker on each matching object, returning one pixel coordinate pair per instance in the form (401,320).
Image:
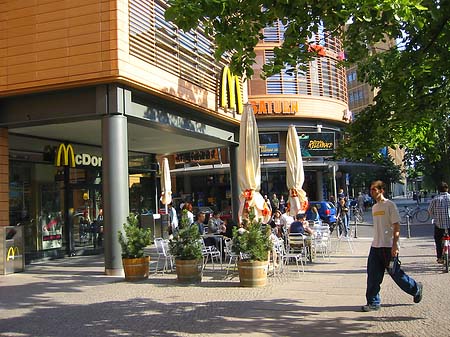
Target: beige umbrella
(166,184)
(249,171)
(295,176)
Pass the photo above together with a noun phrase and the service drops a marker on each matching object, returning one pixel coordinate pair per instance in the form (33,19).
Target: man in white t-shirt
(385,247)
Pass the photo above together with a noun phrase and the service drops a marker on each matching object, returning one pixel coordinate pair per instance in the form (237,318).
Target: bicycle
(418,213)
(445,248)
(357,215)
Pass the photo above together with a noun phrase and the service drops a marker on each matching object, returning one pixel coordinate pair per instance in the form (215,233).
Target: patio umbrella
(295,176)
(249,171)
(166,184)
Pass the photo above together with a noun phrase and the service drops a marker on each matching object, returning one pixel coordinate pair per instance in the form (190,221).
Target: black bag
(394,266)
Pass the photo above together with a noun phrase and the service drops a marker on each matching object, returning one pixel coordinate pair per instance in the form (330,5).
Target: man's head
(377,189)
(300,216)
(200,217)
(443,187)
(216,214)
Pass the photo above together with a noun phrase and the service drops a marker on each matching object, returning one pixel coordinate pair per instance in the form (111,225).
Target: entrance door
(86,216)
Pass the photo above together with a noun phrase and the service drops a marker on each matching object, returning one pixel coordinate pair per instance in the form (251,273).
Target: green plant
(186,243)
(254,243)
(133,239)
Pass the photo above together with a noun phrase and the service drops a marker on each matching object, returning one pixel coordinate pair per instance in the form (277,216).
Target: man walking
(439,212)
(385,247)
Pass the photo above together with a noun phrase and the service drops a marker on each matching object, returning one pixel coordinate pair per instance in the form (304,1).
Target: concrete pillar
(233,154)
(115,188)
(319,185)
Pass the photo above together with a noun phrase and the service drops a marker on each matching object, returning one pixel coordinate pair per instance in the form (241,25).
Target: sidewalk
(72,297)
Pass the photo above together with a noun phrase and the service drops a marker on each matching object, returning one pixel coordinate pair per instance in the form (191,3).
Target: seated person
(314,215)
(200,222)
(216,224)
(300,226)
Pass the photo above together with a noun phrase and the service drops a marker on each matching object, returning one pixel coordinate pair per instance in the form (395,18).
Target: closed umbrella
(295,176)
(249,171)
(166,184)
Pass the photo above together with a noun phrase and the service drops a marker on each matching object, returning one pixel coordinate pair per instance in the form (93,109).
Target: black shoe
(370,307)
(418,296)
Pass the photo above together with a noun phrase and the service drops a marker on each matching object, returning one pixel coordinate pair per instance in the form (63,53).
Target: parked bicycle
(445,248)
(417,213)
(357,215)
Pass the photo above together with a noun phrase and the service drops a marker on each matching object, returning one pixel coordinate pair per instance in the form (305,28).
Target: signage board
(317,144)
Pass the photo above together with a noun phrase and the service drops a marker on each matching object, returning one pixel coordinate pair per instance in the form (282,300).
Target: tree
(412,75)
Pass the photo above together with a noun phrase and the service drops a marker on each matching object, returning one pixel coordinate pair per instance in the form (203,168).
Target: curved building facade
(314,101)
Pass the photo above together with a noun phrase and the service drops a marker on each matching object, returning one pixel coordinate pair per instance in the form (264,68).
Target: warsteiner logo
(231,93)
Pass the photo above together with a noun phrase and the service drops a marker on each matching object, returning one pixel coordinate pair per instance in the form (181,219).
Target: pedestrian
(275,203)
(360,202)
(439,212)
(173,218)
(384,249)
(282,205)
(343,216)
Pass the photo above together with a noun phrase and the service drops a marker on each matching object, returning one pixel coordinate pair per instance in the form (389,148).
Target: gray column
(319,184)
(233,154)
(115,188)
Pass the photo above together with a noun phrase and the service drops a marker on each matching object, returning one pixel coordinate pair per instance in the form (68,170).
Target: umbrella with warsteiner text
(295,176)
(249,170)
(166,184)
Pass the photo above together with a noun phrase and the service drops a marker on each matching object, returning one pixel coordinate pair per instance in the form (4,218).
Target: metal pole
(356,227)
(408,227)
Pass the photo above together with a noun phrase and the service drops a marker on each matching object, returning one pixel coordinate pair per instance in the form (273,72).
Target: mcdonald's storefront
(71,158)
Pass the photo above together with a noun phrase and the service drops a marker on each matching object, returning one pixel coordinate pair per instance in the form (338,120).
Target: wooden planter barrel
(136,269)
(189,271)
(253,273)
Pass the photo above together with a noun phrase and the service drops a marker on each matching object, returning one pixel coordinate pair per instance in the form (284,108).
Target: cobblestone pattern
(72,297)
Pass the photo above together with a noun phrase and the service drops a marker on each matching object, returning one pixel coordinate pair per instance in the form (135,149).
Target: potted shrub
(186,247)
(253,244)
(133,240)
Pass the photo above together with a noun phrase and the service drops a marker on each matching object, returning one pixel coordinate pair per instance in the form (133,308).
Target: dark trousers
(377,263)
(438,234)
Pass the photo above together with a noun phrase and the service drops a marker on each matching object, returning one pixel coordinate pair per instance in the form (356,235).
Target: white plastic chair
(232,256)
(322,240)
(210,252)
(162,249)
(296,249)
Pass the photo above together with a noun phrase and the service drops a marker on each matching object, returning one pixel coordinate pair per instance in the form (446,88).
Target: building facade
(92,95)
(314,101)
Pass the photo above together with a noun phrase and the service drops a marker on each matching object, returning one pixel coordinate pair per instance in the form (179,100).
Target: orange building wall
(48,43)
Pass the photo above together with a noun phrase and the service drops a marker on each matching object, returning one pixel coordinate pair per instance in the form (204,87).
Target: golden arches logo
(12,253)
(231,93)
(64,151)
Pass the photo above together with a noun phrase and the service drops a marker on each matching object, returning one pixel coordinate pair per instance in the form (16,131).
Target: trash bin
(12,248)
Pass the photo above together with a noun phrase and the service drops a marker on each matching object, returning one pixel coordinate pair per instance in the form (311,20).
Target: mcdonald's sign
(13,252)
(231,92)
(65,156)
(64,151)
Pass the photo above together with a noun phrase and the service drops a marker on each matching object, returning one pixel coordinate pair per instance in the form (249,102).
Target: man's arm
(395,238)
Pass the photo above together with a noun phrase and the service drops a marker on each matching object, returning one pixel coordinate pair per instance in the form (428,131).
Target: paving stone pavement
(72,297)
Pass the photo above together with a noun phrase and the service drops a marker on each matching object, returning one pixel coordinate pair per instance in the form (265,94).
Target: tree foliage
(412,75)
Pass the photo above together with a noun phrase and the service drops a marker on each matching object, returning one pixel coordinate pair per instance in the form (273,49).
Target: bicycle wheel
(402,214)
(359,218)
(445,257)
(422,215)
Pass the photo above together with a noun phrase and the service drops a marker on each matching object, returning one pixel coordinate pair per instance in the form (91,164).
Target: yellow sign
(12,253)
(64,150)
(231,93)
(275,107)
(65,156)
